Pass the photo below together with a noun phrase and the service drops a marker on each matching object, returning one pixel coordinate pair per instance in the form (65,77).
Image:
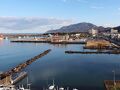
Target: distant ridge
(117,28)
(80,27)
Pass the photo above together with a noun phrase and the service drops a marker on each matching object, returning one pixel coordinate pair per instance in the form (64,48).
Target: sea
(81,71)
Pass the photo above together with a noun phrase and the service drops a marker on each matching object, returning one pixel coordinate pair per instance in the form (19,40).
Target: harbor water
(85,72)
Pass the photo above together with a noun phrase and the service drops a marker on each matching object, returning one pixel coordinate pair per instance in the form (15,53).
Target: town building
(113,31)
(93,32)
(59,38)
(1,37)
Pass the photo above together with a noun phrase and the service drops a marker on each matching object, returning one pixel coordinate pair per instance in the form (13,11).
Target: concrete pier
(92,52)
(19,77)
(30,41)
(5,77)
(47,41)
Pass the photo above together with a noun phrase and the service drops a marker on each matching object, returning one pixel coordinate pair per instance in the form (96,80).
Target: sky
(38,16)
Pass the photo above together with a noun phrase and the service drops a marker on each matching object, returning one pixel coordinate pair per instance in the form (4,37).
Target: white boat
(12,87)
(54,87)
(22,88)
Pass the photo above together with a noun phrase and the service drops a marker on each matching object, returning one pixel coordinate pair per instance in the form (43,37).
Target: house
(59,38)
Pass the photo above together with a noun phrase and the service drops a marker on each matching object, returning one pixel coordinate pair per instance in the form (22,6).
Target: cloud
(119,9)
(83,1)
(30,24)
(64,0)
(118,12)
(108,25)
(97,7)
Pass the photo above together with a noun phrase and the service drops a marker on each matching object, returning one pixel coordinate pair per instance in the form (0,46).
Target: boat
(10,87)
(54,87)
(13,87)
(22,88)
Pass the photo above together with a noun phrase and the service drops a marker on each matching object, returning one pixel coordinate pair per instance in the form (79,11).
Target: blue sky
(62,12)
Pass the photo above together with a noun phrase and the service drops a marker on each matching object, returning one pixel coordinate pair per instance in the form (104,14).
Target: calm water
(86,72)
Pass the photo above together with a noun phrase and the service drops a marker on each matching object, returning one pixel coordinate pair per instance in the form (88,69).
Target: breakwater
(100,48)
(68,42)
(19,67)
(92,52)
(30,41)
(46,41)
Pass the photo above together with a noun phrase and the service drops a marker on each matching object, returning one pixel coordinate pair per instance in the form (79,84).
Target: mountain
(80,27)
(117,28)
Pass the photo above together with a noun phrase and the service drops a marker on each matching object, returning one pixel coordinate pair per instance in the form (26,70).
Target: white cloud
(31,24)
(64,0)
(97,7)
(119,9)
(83,1)
(108,25)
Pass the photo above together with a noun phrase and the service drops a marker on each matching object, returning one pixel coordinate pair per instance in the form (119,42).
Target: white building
(94,32)
(113,31)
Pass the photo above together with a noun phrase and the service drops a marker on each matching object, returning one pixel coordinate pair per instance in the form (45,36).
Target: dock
(46,41)
(19,77)
(30,41)
(92,52)
(110,85)
(68,42)
(5,77)
(100,48)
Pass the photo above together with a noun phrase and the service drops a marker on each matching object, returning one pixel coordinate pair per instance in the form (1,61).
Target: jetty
(30,40)
(19,77)
(6,77)
(100,48)
(68,42)
(45,41)
(93,52)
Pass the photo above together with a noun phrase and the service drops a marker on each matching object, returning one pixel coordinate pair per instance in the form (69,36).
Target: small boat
(10,87)
(54,87)
(22,88)
(13,87)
